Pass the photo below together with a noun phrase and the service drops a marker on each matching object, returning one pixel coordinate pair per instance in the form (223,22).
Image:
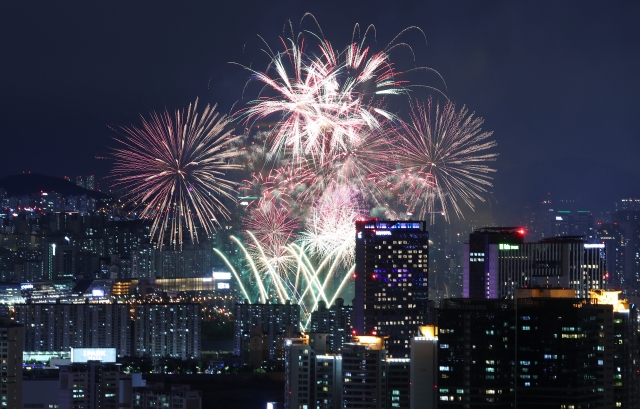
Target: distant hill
(25,184)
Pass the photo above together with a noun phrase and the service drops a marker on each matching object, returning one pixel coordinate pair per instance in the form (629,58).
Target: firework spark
(330,229)
(173,168)
(323,100)
(442,152)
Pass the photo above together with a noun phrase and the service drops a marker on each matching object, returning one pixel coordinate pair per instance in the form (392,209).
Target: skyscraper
(274,322)
(391,280)
(11,370)
(496,262)
(335,322)
(543,349)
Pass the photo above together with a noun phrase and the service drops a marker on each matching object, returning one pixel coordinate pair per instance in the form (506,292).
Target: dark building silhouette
(544,349)
(335,322)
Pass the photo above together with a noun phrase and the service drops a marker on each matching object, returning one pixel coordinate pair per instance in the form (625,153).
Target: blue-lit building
(391,281)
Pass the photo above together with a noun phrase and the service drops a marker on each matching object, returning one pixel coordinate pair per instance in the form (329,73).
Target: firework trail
(273,226)
(173,168)
(442,152)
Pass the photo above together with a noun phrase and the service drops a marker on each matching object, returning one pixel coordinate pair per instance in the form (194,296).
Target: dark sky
(558,82)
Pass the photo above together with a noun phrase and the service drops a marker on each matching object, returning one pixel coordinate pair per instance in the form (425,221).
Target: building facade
(167,330)
(11,339)
(60,327)
(273,322)
(391,281)
(497,262)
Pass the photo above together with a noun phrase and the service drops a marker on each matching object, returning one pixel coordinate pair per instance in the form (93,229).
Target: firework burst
(442,152)
(330,229)
(173,168)
(324,101)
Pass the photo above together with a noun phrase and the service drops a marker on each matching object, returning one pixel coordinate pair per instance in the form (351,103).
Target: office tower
(424,368)
(398,382)
(611,236)
(171,330)
(299,377)
(497,262)
(391,280)
(328,385)
(628,204)
(93,385)
(364,374)
(59,327)
(545,348)
(335,322)
(628,222)
(557,361)
(475,353)
(480,259)
(274,321)
(11,370)
(80,181)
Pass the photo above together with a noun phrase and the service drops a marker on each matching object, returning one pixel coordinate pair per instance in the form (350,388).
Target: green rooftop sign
(504,246)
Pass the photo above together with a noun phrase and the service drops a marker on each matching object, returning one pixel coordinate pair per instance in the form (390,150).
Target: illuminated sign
(82,355)
(207,279)
(383,233)
(223,286)
(97,292)
(504,246)
(221,276)
(594,246)
(27,286)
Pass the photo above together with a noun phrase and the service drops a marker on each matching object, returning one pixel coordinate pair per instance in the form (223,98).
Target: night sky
(557,82)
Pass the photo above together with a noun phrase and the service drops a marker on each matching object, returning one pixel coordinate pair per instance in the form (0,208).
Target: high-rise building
(628,221)
(299,363)
(80,181)
(167,330)
(335,322)
(391,280)
(60,327)
(611,236)
(274,323)
(11,370)
(545,348)
(480,259)
(496,262)
(364,374)
(90,182)
(424,369)
(475,355)
(93,385)
(628,204)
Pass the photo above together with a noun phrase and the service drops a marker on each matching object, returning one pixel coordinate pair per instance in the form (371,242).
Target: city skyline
(553,81)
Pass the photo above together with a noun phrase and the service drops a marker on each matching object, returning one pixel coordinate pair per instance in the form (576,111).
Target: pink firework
(442,152)
(272,224)
(329,230)
(173,168)
(324,102)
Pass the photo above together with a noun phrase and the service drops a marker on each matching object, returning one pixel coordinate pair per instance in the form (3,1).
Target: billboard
(219,275)
(223,286)
(82,355)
